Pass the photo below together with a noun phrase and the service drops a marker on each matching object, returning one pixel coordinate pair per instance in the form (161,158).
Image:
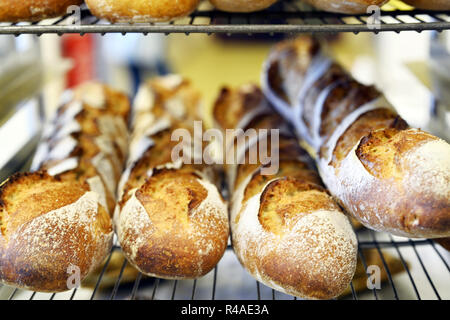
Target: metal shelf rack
(425,265)
(288,16)
(391,289)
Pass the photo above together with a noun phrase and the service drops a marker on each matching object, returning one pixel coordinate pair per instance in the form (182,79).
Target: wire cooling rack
(288,16)
(425,275)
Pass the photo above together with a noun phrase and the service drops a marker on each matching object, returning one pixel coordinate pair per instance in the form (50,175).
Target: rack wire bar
(288,16)
(405,266)
(439,254)
(391,281)
(136,286)
(119,279)
(425,270)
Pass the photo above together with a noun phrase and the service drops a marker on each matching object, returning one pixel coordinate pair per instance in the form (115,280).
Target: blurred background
(412,69)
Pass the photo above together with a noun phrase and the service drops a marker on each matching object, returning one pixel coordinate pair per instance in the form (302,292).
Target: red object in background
(81,50)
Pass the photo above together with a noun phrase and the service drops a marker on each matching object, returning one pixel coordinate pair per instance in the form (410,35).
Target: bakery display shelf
(289,16)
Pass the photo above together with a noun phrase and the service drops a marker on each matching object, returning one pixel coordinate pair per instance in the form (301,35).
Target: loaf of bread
(444,242)
(55,222)
(286,229)
(346,6)
(171,220)
(34,10)
(141,10)
(242,5)
(429,4)
(387,175)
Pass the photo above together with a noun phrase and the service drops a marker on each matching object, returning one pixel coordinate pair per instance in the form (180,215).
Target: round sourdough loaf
(52,232)
(34,10)
(242,5)
(174,226)
(345,6)
(291,236)
(141,10)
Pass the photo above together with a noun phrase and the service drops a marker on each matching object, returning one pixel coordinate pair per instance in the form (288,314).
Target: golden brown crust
(346,6)
(58,217)
(100,141)
(429,4)
(141,10)
(285,200)
(34,10)
(26,196)
(44,233)
(171,200)
(379,150)
(389,177)
(242,5)
(418,210)
(231,106)
(286,227)
(287,168)
(171,221)
(363,126)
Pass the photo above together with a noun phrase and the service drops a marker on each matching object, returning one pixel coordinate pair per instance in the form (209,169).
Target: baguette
(429,4)
(346,6)
(287,231)
(34,10)
(242,5)
(55,220)
(387,175)
(171,220)
(141,10)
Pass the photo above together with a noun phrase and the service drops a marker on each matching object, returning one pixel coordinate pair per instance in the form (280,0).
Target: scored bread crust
(56,223)
(141,10)
(242,5)
(388,176)
(346,6)
(171,221)
(286,229)
(174,226)
(49,226)
(34,10)
(429,4)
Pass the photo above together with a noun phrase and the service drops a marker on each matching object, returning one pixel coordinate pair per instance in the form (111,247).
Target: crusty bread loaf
(444,242)
(242,5)
(388,176)
(55,222)
(171,220)
(34,10)
(286,229)
(346,6)
(141,10)
(429,4)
